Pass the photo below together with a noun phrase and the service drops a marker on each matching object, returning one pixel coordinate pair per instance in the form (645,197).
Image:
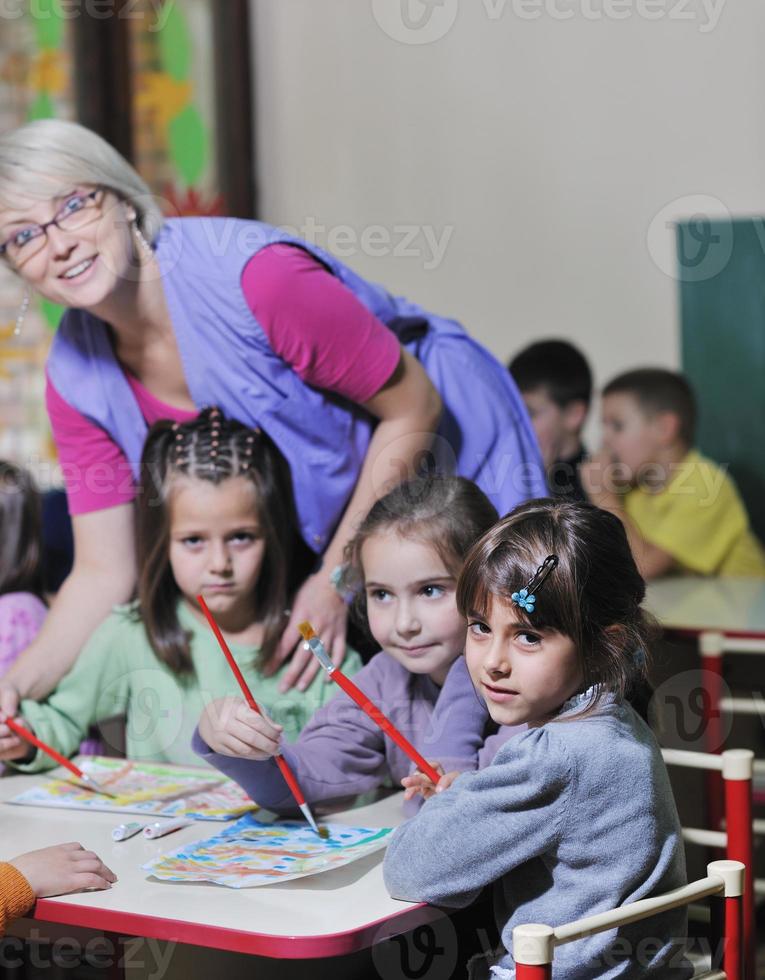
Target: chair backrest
(736,766)
(534,944)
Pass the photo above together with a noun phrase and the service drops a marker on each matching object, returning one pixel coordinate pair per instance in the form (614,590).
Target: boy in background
(681,511)
(556,384)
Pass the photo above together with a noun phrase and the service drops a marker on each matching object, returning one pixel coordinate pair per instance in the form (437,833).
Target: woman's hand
(12,746)
(319,604)
(62,869)
(231,727)
(419,784)
(9,699)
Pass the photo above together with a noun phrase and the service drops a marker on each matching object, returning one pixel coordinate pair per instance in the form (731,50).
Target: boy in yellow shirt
(681,511)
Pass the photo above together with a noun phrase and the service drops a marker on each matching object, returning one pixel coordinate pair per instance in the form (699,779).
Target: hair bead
(179,445)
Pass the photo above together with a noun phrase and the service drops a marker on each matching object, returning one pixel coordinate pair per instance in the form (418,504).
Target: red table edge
(131,924)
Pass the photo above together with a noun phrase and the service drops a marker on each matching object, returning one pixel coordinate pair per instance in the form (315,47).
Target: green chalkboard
(721,272)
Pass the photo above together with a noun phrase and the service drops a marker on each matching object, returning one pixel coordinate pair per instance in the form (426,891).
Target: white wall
(546,147)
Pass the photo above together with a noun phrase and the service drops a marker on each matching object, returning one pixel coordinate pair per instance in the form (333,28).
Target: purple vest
(484,434)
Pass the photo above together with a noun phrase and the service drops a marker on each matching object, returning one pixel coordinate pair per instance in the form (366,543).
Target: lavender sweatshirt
(342,753)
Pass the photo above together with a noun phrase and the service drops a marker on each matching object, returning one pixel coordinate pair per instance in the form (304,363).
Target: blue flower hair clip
(526,599)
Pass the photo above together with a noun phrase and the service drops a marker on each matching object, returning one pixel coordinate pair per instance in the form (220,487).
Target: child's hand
(418,783)
(603,479)
(12,746)
(62,869)
(231,727)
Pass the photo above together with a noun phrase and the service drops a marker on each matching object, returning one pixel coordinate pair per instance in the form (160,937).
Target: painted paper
(254,852)
(144,787)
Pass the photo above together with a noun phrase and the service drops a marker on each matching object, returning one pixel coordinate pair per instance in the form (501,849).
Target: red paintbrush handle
(30,737)
(289,776)
(228,655)
(385,723)
(289,779)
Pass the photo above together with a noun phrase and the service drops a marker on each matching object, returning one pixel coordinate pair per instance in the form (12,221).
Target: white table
(688,606)
(330,914)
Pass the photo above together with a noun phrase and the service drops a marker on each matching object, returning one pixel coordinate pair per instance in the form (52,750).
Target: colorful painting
(173,81)
(254,852)
(145,788)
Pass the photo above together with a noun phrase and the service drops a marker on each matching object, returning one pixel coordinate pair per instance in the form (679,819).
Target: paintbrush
(317,648)
(289,776)
(82,777)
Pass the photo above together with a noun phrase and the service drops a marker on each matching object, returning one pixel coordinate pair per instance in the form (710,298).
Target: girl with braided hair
(215,518)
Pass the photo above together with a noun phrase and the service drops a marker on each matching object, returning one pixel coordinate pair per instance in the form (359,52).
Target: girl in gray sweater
(576,815)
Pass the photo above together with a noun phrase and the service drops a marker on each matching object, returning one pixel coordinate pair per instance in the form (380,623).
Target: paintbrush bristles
(306,631)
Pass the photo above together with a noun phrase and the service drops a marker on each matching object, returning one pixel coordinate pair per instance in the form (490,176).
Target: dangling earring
(22,312)
(142,239)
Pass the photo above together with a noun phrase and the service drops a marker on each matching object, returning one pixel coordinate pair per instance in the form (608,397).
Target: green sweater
(118,673)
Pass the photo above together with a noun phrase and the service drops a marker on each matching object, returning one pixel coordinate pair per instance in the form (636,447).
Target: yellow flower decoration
(160,98)
(48,72)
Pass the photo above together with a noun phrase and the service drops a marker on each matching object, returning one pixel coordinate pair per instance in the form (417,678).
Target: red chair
(737,841)
(712,647)
(534,945)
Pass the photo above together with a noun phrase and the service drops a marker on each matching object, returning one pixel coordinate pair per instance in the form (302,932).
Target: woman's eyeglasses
(78,210)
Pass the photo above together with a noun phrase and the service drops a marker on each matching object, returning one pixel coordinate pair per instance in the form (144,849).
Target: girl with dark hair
(404,561)
(22,604)
(214,519)
(575,815)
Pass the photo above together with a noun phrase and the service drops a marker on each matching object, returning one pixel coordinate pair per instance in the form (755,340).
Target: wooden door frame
(103,92)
